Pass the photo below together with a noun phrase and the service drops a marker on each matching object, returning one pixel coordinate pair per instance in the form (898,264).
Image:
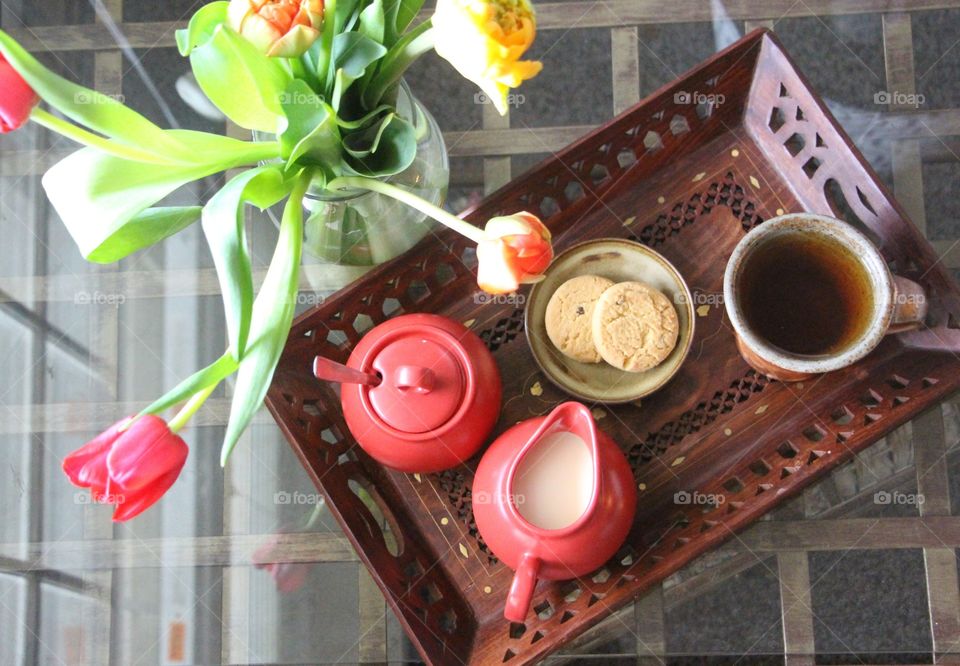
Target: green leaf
(100,198)
(399,15)
(364,143)
(218,149)
(345,15)
(214,373)
(94,110)
(243,83)
(339,85)
(272,315)
(373,21)
(365,120)
(406,12)
(312,136)
(143,230)
(403,53)
(201,26)
(224,228)
(103,200)
(353,53)
(321,147)
(391,149)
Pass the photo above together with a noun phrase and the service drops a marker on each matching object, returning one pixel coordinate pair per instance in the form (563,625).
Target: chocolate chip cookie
(569,317)
(635,327)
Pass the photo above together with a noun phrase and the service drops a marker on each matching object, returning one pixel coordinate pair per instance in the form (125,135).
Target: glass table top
(246,564)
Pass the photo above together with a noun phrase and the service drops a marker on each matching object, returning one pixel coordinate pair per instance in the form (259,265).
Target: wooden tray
(689,179)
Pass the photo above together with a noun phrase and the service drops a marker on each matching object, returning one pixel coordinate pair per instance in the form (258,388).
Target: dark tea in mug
(806,293)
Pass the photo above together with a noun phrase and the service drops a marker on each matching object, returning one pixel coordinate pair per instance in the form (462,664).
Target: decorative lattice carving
(422,544)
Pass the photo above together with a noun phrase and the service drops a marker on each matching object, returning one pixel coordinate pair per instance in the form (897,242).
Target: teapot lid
(422,383)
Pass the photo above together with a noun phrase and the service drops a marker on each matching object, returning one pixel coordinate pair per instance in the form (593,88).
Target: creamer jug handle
(521,590)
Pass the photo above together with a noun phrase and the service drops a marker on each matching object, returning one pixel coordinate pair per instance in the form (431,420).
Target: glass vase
(363,228)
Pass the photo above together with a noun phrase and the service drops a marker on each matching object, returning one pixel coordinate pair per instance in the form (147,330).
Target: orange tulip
(515,250)
(278,28)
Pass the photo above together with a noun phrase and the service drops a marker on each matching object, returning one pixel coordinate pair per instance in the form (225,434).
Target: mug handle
(909,305)
(521,590)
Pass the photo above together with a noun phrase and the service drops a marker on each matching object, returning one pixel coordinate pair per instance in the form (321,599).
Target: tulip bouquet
(316,82)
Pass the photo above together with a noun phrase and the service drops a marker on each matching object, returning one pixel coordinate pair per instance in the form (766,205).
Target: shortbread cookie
(569,317)
(635,327)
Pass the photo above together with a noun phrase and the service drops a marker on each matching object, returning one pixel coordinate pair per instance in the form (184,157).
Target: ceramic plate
(618,260)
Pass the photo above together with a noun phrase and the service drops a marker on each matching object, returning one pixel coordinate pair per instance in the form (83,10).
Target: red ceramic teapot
(437,399)
(553,498)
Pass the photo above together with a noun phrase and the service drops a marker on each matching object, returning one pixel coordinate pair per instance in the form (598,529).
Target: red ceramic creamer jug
(553,498)
(438,398)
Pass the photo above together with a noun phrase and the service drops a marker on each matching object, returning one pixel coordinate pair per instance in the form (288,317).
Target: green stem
(258,151)
(189,409)
(87,138)
(298,69)
(253,152)
(325,55)
(318,510)
(404,53)
(440,215)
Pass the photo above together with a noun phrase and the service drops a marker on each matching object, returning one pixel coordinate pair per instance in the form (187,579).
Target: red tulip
(288,576)
(516,250)
(130,468)
(17,99)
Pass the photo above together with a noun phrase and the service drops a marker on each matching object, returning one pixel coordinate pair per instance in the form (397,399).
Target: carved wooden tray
(689,178)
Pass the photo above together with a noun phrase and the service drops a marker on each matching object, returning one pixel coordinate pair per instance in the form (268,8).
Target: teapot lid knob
(423,384)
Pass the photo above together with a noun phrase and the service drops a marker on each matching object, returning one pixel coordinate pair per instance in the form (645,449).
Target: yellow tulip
(484,40)
(278,28)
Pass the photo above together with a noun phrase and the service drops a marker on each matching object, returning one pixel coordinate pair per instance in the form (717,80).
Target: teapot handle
(521,590)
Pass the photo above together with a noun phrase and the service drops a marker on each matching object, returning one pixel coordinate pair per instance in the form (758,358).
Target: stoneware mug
(899,304)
